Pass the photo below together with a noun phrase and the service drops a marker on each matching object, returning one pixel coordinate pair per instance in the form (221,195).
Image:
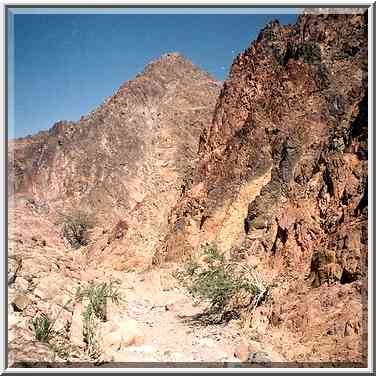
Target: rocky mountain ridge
(281,184)
(125,161)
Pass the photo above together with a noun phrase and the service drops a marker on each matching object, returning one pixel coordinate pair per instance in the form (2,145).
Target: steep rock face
(125,161)
(282,183)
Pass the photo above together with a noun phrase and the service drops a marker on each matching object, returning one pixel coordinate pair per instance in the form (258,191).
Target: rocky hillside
(124,163)
(281,185)
(121,168)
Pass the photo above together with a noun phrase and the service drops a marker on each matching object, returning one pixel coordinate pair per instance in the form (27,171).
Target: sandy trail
(164,313)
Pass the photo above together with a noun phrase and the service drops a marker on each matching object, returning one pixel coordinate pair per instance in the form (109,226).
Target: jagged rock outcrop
(282,183)
(126,161)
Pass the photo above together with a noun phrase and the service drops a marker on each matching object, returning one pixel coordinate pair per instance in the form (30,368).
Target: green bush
(75,228)
(42,327)
(212,252)
(191,267)
(220,283)
(96,295)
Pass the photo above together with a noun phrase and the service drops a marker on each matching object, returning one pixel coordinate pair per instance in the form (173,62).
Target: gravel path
(165,316)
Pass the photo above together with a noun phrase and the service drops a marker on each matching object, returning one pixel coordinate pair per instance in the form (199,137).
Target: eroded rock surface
(124,165)
(282,183)
(126,161)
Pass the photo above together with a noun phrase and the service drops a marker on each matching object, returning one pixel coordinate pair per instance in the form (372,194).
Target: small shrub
(75,228)
(42,327)
(191,267)
(239,253)
(95,310)
(270,36)
(212,253)
(227,286)
(215,285)
(60,349)
(90,325)
(97,295)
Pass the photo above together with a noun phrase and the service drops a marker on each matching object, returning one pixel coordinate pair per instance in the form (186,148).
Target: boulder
(242,351)
(132,334)
(21,284)
(20,302)
(118,334)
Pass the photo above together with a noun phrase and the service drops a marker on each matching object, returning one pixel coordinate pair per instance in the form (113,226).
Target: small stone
(111,309)
(63,319)
(21,284)
(41,293)
(11,335)
(259,357)
(13,320)
(109,337)
(30,311)
(20,302)
(207,342)
(64,300)
(131,333)
(167,352)
(139,340)
(112,341)
(242,351)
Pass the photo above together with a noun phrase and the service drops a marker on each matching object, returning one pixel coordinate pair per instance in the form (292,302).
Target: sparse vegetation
(191,266)
(97,295)
(90,326)
(95,310)
(42,327)
(229,287)
(75,227)
(60,349)
(270,35)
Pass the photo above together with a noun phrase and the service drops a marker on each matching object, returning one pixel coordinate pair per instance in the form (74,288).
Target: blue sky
(65,65)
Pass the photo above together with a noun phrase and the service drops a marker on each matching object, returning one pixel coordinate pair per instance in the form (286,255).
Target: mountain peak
(172,55)
(168,59)
(174,65)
